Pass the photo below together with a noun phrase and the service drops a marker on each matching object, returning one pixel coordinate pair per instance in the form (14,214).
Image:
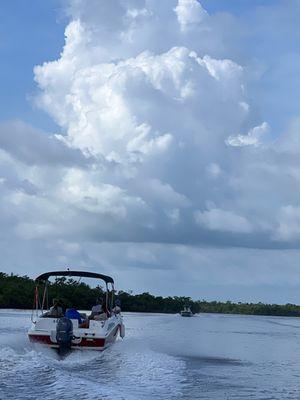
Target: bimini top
(46,275)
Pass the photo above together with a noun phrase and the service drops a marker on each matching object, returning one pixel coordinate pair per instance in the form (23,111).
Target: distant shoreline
(16,292)
(173,313)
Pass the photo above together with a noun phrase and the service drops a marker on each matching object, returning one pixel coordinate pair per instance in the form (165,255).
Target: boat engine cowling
(64,335)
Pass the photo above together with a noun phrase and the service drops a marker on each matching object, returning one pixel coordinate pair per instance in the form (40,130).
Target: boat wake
(130,365)
(162,357)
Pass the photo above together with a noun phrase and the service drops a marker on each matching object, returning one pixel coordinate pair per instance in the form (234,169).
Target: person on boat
(72,313)
(117,307)
(99,312)
(97,309)
(55,311)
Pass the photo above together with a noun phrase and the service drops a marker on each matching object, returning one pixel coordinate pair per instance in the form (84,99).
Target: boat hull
(186,314)
(84,339)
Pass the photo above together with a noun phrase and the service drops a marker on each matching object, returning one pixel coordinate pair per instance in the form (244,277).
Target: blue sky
(156,141)
(31,32)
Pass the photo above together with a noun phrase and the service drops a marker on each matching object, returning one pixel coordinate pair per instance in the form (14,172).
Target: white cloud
(189,12)
(166,194)
(79,188)
(29,231)
(103,108)
(288,224)
(223,220)
(252,138)
(151,112)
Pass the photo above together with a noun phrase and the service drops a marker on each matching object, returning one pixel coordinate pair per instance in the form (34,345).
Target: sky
(157,142)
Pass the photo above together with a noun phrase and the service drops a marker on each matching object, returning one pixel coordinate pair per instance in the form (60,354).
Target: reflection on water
(162,357)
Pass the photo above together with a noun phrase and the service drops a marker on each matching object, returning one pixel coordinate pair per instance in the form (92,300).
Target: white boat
(186,312)
(66,334)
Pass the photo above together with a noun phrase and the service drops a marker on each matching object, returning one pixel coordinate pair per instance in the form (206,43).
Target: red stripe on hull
(40,339)
(85,342)
(90,343)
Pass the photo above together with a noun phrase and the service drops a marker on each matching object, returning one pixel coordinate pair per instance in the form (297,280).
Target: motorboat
(67,333)
(186,312)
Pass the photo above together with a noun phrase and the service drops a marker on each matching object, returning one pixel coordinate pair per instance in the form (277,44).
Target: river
(208,356)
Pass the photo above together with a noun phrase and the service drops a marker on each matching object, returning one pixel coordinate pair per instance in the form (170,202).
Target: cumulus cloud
(223,220)
(190,13)
(105,110)
(81,189)
(159,142)
(288,224)
(151,110)
(252,138)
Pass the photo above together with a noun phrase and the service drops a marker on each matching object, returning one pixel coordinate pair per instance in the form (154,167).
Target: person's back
(117,307)
(72,313)
(97,309)
(55,311)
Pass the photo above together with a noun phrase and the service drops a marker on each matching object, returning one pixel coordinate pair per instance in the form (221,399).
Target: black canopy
(46,275)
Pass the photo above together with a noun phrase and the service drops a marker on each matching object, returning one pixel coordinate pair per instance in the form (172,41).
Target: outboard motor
(64,335)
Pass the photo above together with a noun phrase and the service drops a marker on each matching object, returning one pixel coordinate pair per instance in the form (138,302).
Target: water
(162,357)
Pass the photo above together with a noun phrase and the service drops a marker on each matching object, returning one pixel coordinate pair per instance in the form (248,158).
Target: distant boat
(186,312)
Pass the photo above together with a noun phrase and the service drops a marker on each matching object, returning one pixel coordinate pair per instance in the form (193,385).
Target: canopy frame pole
(112,296)
(106,297)
(35,304)
(44,296)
